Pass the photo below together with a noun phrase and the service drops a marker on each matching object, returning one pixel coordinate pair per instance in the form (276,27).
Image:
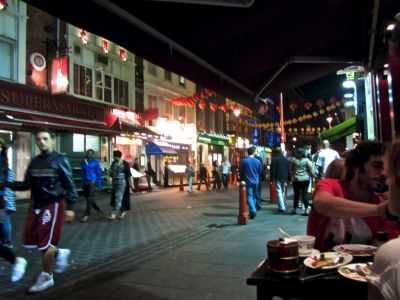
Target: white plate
(329,256)
(356,249)
(349,271)
(314,252)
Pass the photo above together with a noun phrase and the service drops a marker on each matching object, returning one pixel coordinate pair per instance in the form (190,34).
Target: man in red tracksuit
(52,188)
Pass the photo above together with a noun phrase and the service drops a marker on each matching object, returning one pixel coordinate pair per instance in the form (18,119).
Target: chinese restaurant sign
(59,75)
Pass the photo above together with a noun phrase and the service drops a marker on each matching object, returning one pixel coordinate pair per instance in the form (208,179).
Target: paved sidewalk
(172,245)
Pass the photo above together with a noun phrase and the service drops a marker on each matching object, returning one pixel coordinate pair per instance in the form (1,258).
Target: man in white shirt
(325,157)
(226,168)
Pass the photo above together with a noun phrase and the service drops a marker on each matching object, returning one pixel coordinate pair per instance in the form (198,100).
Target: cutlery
(281,230)
(305,278)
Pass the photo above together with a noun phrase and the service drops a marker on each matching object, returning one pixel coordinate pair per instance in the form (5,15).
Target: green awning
(342,130)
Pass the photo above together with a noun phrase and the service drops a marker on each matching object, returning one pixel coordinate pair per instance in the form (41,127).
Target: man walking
(226,168)
(325,157)
(91,177)
(50,180)
(136,167)
(280,175)
(202,177)
(250,171)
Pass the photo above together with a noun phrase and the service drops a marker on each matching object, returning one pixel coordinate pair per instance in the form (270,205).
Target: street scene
(200,149)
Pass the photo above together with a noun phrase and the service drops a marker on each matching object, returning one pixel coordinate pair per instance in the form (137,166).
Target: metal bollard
(230,178)
(181,183)
(243,217)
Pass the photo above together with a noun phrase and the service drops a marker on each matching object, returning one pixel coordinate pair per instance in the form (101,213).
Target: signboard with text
(59,75)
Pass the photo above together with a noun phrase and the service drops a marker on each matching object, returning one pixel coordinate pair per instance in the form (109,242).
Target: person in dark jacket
(202,177)
(166,174)
(18,263)
(49,178)
(91,177)
(280,175)
(121,181)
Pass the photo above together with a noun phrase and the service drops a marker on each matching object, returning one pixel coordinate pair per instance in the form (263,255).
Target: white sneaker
(62,260)
(18,269)
(44,281)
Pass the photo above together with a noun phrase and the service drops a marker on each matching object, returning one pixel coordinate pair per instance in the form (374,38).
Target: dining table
(307,283)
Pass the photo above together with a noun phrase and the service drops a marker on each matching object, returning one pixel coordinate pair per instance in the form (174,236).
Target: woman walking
(121,180)
(19,263)
(302,171)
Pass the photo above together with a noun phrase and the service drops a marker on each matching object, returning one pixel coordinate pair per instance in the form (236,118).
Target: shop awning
(153,148)
(342,130)
(63,124)
(128,127)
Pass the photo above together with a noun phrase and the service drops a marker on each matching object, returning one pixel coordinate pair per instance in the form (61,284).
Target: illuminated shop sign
(179,146)
(59,75)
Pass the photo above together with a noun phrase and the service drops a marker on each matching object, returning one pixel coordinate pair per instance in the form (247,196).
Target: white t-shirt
(386,270)
(325,157)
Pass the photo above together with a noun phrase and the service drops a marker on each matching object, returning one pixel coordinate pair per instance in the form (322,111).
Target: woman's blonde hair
(336,169)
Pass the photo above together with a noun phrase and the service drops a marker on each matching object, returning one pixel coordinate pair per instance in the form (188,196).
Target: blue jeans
(5,219)
(119,189)
(190,183)
(251,193)
(280,191)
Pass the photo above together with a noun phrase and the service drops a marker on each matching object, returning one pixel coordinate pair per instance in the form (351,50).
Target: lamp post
(329,120)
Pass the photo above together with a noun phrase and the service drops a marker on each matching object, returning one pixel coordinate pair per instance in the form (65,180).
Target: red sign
(151,114)
(59,75)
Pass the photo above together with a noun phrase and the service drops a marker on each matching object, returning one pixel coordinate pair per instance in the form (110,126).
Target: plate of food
(314,252)
(358,272)
(356,249)
(328,260)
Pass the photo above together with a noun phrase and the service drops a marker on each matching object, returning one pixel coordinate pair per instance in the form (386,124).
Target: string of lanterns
(333,104)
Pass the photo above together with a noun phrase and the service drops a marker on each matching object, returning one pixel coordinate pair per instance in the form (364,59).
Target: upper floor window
(7,60)
(83,83)
(152,101)
(182,81)
(121,92)
(167,75)
(152,69)
(168,108)
(103,86)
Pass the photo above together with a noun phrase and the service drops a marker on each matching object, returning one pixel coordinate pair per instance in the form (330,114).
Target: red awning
(63,124)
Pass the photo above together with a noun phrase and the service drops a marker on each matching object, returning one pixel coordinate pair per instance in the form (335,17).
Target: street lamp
(329,119)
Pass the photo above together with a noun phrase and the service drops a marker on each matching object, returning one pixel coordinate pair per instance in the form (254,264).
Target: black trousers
(88,191)
(7,254)
(300,187)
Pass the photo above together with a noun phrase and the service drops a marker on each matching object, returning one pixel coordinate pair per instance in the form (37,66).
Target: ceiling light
(390,27)
(349,103)
(348,95)
(386,65)
(349,84)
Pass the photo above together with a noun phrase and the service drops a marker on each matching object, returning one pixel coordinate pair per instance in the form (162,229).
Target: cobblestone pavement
(160,224)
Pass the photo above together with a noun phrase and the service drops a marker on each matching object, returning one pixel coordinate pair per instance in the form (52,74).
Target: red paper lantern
(105,46)
(293,106)
(278,108)
(3,4)
(84,37)
(320,103)
(307,105)
(224,107)
(233,107)
(202,104)
(213,106)
(122,54)
(333,100)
